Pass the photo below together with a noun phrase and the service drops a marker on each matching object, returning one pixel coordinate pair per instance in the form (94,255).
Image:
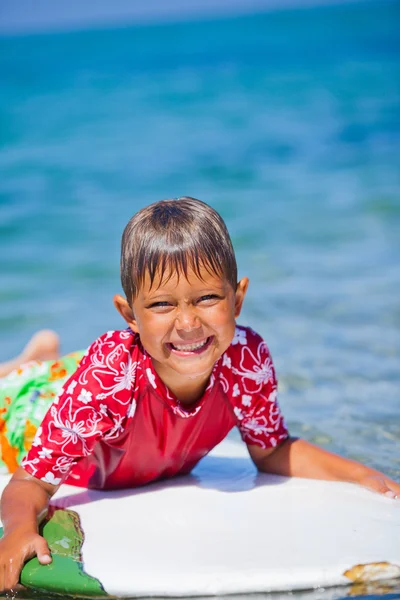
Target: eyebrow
(160,294)
(151,298)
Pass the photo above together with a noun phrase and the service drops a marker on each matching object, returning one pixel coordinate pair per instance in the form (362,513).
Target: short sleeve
(94,404)
(253,392)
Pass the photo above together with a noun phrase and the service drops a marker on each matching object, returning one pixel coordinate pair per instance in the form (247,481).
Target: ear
(122,306)
(240,293)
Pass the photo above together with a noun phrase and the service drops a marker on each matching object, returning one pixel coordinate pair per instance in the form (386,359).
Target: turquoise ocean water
(288,123)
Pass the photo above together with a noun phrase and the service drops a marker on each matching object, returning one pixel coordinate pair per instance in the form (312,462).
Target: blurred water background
(287,122)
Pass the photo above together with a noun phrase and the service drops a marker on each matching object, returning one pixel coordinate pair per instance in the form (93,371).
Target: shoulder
(247,362)
(109,340)
(247,347)
(246,336)
(109,366)
(251,389)
(114,345)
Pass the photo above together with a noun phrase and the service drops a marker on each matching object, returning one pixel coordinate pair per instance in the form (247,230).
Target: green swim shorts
(25,396)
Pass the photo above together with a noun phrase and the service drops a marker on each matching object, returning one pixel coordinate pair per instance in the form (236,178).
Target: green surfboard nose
(65,574)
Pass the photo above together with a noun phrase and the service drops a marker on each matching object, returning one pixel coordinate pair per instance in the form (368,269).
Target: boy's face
(185,324)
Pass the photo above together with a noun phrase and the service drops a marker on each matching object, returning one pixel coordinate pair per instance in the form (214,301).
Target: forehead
(173,279)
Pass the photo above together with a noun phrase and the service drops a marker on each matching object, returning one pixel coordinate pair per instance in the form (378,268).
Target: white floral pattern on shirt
(115,371)
(254,391)
(102,396)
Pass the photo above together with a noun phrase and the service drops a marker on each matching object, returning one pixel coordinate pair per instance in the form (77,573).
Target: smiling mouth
(194,348)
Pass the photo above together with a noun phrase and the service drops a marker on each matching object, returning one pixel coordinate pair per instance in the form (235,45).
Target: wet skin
(185,324)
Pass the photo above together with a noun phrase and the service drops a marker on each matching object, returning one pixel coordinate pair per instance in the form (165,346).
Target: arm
(74,423)
(298,458)
(23,505)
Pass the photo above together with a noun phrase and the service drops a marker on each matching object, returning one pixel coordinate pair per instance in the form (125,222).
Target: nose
(186,319)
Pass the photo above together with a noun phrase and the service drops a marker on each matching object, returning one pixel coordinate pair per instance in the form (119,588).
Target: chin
(195,373)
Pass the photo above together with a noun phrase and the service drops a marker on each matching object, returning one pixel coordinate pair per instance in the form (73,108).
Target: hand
(15,549)
(377,482)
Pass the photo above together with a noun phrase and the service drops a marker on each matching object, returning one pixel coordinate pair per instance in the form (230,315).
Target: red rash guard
(116,425)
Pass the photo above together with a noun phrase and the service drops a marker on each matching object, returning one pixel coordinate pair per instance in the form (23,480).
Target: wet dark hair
(172,236)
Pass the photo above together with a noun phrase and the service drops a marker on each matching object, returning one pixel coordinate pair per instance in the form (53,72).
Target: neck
(188,397)
(188,390)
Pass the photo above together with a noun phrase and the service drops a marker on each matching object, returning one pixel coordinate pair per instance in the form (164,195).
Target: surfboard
(224,529)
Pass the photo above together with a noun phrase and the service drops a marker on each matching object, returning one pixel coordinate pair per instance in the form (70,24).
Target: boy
(150,401)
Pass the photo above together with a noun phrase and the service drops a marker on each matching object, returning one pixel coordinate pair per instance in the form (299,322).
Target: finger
(42,551)
(388,488)
(392,494)
(2,577)
(18,587)
(12,571)
(394,487)
(380,486)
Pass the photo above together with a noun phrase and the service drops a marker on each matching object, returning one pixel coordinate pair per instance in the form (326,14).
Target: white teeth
(189,347)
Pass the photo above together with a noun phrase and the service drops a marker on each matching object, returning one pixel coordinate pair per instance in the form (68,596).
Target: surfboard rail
(224,529)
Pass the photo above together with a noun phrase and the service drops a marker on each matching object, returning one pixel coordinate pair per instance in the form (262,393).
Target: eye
(160,305)
(208,298)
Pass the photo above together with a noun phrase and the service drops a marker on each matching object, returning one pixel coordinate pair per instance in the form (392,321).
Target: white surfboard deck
(227,529)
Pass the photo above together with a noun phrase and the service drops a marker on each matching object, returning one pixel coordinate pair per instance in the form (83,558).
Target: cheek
(224,320)
(155,326)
